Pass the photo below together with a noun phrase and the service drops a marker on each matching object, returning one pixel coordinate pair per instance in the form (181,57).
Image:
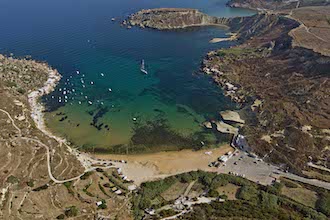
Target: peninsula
(276,166)
(173,18)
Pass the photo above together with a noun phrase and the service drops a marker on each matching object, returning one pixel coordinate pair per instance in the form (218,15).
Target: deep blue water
(74,35)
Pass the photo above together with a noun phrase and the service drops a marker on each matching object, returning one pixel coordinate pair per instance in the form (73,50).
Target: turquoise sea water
(159,111)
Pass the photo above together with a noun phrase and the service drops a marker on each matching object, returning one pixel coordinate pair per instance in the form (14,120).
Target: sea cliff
(173,18)
(275,4)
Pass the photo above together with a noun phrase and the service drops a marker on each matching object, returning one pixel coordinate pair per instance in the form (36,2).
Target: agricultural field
(221,196)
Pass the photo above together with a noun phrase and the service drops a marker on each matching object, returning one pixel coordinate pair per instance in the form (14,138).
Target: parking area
(241,164)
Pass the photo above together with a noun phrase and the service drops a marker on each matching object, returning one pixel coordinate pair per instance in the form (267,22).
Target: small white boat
(90,102)
(77,72)
(92,83)
(102,74)
(143,69)
(79,102)
(110,90)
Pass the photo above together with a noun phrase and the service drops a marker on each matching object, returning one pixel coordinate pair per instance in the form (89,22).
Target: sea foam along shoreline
(37,114)
(37,108)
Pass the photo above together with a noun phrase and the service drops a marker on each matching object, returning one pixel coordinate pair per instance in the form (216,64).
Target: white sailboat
(143,69)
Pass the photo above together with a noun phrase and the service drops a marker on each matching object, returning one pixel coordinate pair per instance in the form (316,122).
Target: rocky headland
(172,18)
(282,87)
(280,81)
(275,4)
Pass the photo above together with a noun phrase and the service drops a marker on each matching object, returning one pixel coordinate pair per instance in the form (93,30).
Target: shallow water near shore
(109,105)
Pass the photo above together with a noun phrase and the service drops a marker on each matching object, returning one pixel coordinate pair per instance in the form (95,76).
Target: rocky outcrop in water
(173,18)
(291,84)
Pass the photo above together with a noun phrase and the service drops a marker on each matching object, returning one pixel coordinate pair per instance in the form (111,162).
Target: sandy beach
(231,38)
(139,168)
(146,167)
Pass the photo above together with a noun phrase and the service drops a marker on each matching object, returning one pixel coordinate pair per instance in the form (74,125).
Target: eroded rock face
(291,85)
(274,4)
(173,18)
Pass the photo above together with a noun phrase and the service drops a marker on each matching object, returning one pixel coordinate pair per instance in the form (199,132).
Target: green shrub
(103,205)
(30,183)
(248,193)
(61,216)
(86,175)
(10,84)
(106,185)
(12,179)
(167,213)
(71,211)
(68,185)
(99,170)
(289,183)
(43,187)
(21,90)
(185,178)
(323,203)
(268,201)
(223,196)
(213,193)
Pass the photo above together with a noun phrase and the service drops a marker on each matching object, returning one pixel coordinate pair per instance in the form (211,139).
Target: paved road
(313,182)
(263,173)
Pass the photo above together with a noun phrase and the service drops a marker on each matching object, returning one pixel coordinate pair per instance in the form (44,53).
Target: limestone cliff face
(173,18)
(275,4)
(270,25)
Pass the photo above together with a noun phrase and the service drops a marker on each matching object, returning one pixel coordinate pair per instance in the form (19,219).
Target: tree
(213,193)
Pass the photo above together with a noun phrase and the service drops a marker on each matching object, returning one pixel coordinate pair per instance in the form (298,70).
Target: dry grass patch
(301,195)
(175,191)
(230,190)
(317,175)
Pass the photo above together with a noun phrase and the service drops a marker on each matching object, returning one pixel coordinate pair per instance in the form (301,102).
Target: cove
(109,105)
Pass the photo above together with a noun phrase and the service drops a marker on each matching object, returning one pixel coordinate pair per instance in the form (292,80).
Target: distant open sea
(109,105)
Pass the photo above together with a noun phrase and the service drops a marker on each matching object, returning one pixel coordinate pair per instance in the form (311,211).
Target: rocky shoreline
(37,115)
(173,18)
(37,108)
(250,75)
